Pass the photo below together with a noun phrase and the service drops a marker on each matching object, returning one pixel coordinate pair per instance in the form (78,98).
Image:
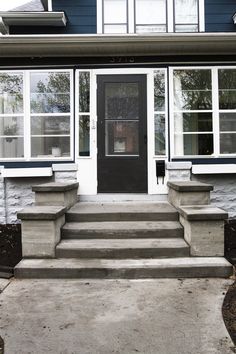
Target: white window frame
(215,112)
(27,117)
(131,17)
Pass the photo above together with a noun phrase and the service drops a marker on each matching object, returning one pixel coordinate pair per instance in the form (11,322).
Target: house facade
(119,95)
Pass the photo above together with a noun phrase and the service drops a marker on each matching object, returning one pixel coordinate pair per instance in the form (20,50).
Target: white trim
(201,16)
(131,16)
(27,172)
(213,169)
(99,17)
(49,5)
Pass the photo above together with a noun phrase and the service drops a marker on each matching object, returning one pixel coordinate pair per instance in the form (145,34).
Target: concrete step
(122,211)
(122,229)
(125,248)
(128,268)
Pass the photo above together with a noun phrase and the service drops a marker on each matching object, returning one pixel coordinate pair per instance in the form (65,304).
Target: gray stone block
(41,213)
(178,198)
(190,186)
(202,212)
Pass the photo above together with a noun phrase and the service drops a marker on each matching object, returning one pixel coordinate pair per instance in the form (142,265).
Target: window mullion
(131,16)
(215,113)
(27,130)
(170,16)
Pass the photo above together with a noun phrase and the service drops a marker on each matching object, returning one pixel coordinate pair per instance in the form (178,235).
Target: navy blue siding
(218,15)
(81,16)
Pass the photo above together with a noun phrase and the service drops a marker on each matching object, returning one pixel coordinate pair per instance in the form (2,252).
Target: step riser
(123,253)
(61,273)
(124,234)
(78,217)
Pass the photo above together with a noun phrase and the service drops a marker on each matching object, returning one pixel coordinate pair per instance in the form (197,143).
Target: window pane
(192,89)
(193,144)
(121,100)
(84,135)
(150,12)
(84,92)
(50,125)
(122,138)
(50,147)
(50,92)
(186,11)
(228,143)
(12,147)
(227,89)
(115,29)
(11,126)
(159,91)
(11,93)
(115,11)
(186,28)
(160,134)
(193,122)
(149,28)
(228,122)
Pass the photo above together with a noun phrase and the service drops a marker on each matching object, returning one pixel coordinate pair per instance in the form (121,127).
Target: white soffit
(118,45)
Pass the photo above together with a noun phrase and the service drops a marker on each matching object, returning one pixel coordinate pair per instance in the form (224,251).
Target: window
(186,15)
(160,112)
(84,113)
(203,112)
(150,16)
(35,115)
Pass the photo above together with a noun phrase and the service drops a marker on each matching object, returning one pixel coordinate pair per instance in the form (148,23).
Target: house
(120,95)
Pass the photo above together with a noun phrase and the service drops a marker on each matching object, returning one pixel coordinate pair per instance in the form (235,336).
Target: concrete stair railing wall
(203,224)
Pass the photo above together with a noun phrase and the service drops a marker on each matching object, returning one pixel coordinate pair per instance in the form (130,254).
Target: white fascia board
(27,172)
(213,169)
(45,18)
(129,45)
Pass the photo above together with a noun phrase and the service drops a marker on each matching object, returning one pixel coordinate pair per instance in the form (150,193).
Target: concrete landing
(114,317)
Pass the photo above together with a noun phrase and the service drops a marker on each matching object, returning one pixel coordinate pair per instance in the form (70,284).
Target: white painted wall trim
(201,15)
(213,169)
(27,172)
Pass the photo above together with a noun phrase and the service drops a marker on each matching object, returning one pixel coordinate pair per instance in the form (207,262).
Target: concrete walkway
(114,316)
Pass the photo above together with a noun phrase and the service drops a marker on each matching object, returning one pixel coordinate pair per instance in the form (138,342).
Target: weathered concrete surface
(3,284)
(105,317)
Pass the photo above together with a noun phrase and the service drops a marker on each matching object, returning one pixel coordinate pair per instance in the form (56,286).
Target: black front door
(122,134)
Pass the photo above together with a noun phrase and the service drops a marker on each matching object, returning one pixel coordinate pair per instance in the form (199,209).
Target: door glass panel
(122,118)
(122,137)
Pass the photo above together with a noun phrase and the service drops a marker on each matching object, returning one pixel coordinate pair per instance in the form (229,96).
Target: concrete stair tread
(122,244)
(122,225)
(124,268)
(122,207)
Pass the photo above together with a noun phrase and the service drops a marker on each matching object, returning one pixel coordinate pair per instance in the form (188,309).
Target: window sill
(213,169)
(26,172)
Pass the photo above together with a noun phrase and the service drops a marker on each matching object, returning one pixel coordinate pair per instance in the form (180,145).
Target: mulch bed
(10,248)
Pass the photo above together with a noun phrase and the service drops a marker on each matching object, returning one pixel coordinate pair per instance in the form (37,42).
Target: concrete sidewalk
(114,316)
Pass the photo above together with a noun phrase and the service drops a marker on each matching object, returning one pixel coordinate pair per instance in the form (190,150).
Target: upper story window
(150,16)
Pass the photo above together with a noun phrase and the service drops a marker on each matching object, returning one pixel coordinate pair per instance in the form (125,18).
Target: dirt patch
(229,312)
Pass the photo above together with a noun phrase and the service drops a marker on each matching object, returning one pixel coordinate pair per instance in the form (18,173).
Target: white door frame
(87,166)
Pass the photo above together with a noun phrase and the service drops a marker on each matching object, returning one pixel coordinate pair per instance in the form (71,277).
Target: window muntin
(186,15)
(84,117)
(150,21)
(227,110)
(192,112)
(35,115)
(115,14)
(160,112)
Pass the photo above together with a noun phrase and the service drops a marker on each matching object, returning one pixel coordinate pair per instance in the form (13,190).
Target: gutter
(118,45)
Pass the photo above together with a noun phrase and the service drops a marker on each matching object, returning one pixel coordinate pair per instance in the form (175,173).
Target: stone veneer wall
(224,193)
(16,193)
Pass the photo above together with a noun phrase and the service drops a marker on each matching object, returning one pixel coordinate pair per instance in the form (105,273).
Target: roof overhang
(44,18)
(118,45)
